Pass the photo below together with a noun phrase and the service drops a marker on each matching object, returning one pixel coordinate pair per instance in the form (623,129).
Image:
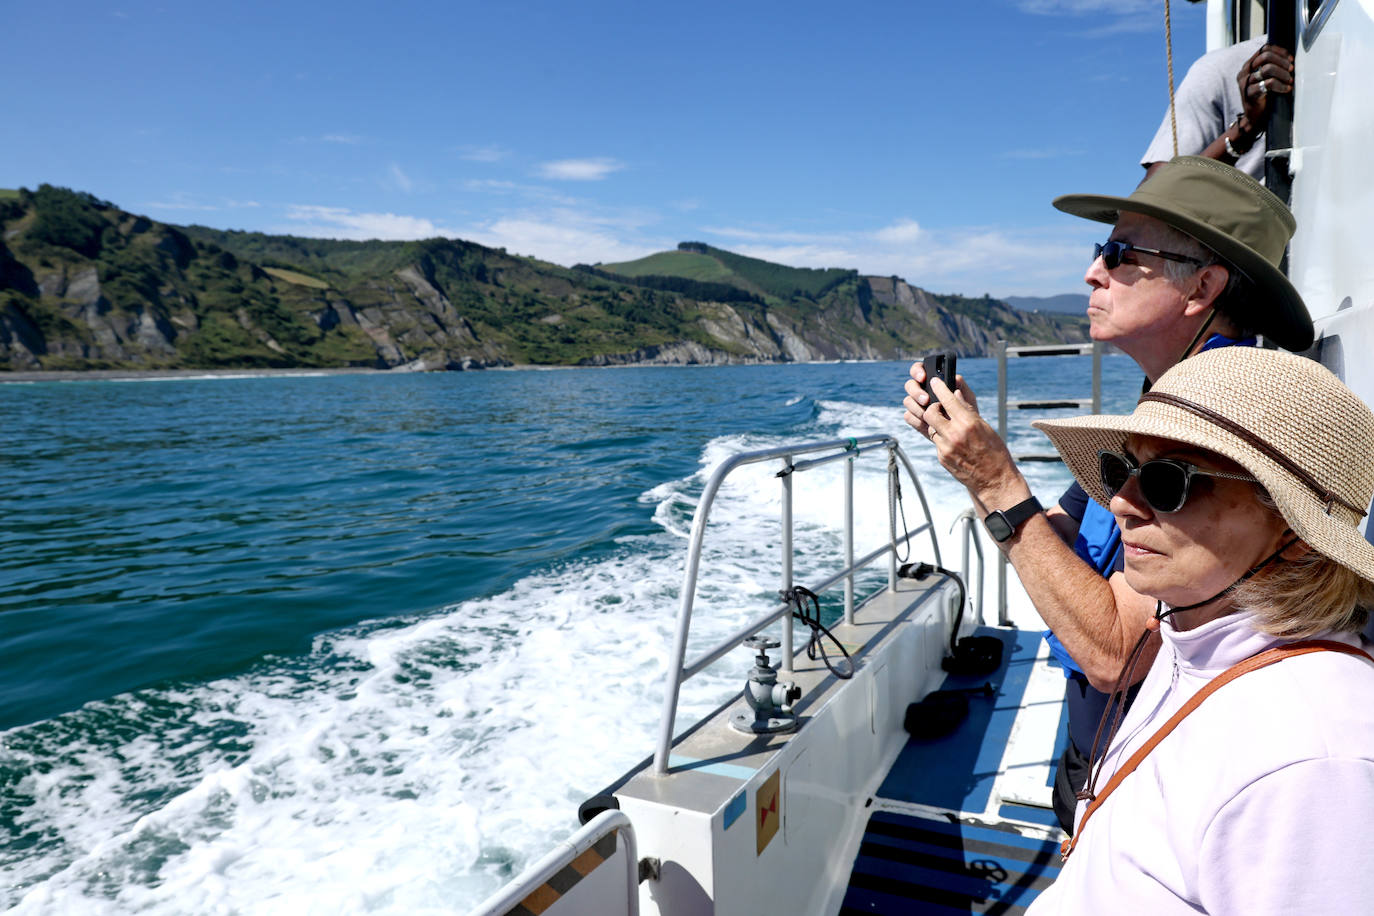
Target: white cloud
(349,139)
(181,200)
(1037,260)
(565,240)
(771,236)
(561,235)
(579,169)
(570,235)
(342,223)
(483,153)
(971,260)
(491,185)
(1124,25)
(902,232)
(399,179)
(530,191)
(1105,17)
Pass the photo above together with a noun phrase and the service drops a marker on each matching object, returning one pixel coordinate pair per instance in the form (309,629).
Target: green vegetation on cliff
(85,285)
(699,261)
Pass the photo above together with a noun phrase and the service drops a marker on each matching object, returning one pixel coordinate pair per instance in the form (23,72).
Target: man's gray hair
(1231,303)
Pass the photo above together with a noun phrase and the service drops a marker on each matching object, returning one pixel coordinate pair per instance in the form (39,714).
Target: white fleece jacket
(1261,801)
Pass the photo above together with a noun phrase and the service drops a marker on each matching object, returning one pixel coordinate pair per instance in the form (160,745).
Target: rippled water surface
(363,642)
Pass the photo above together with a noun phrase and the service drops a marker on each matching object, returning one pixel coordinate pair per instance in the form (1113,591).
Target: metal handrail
(852,448)
(537,874)
(1094,350)
(968,520)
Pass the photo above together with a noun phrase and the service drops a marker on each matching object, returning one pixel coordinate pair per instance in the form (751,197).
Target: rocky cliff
(85,285)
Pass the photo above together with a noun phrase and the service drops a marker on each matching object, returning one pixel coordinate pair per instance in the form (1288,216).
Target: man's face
(1136,304)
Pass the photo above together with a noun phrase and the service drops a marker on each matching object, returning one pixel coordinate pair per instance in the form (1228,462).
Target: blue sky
(911,138)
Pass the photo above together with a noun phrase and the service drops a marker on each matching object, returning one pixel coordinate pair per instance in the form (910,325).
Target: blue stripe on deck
(733,770)
(957,772)
(909,864)
(1045,817)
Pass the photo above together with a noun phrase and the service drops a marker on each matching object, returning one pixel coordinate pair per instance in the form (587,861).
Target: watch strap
(1016,516)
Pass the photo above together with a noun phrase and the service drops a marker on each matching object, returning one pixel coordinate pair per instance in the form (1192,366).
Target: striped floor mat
(910,864)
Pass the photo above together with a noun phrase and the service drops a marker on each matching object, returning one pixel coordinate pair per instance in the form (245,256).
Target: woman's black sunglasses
(1112,253)
(1164,482)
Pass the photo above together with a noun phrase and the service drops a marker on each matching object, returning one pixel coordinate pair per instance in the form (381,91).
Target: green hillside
(686,264)
(86,285)
(699,261)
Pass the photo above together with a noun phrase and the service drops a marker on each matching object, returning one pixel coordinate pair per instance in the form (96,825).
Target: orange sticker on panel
(768,805)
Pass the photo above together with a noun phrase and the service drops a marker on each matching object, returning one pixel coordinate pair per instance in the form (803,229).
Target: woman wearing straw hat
(1242,779)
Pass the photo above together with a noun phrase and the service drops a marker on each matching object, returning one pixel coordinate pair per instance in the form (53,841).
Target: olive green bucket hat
(1233,215)
(1288,420)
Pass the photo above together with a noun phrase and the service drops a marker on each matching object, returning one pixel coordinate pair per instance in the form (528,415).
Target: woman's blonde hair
(1313,594)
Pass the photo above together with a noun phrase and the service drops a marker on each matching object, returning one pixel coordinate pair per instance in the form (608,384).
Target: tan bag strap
(1253,663)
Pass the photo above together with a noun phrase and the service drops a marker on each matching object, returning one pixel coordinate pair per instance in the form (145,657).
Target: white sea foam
(415,766)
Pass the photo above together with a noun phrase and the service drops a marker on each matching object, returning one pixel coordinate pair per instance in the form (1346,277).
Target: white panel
(1333,136)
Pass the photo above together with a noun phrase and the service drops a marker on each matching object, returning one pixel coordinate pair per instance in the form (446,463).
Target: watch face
(997,526)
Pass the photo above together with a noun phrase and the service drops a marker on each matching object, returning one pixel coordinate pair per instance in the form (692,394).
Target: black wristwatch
(1002,525)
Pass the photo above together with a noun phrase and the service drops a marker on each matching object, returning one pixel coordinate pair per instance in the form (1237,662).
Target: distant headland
(86,286)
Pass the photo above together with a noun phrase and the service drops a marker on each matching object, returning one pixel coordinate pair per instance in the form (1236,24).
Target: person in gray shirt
(1222,106)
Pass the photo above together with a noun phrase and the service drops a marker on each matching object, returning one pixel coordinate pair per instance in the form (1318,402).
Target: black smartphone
(942,366)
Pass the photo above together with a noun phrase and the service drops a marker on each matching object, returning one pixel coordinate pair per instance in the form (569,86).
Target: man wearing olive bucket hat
(1192,264)
(1242,779)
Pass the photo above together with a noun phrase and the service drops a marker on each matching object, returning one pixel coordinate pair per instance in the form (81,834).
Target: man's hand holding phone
(966,445)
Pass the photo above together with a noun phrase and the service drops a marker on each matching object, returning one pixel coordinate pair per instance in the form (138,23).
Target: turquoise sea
(349,643)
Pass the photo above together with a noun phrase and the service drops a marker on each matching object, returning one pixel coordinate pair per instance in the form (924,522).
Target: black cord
(798,596)
(919,571)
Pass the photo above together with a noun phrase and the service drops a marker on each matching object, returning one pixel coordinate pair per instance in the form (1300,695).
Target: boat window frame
(1311,24)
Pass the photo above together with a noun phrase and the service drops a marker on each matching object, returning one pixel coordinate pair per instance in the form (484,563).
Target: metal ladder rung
(1051,350)
(1056,404)
(1004,404)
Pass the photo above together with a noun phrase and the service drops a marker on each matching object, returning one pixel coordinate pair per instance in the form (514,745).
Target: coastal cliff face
(84,285)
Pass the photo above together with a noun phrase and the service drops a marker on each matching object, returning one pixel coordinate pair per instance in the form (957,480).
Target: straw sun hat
(1286,419)
(1233,215)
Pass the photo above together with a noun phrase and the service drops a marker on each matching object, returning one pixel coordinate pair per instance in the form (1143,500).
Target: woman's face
(1187,556)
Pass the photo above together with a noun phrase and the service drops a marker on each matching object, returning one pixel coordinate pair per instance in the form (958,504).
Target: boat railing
(825,452)
(967,525)
(1004,406)
(570,860)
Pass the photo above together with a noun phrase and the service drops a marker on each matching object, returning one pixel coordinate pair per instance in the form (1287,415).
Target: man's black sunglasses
(1112,253)
(1164,482)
